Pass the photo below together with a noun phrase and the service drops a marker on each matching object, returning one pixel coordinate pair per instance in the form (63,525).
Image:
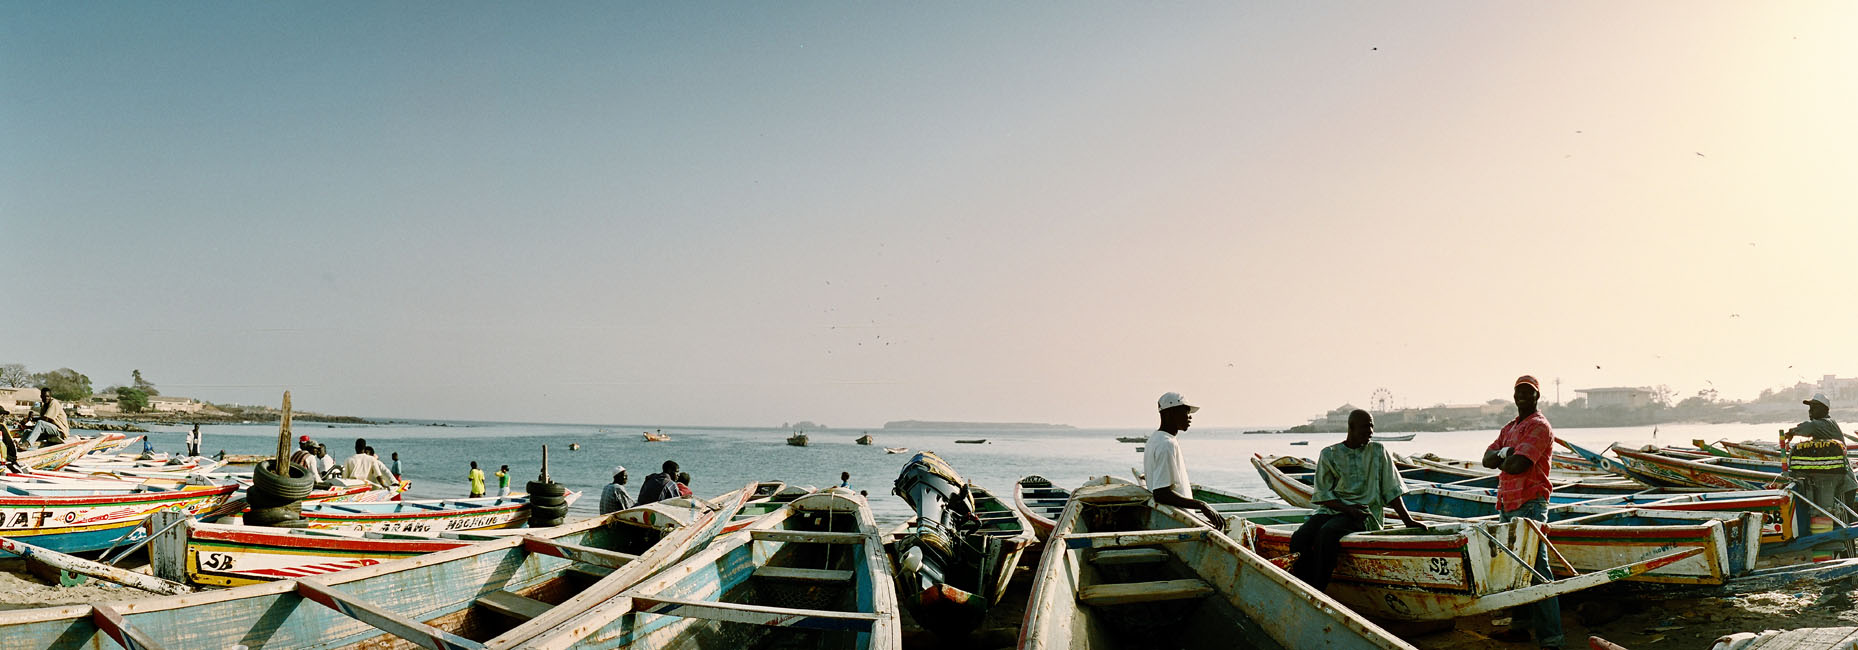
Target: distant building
(1616,396)
(163,404)
(1842,391)
(17,400)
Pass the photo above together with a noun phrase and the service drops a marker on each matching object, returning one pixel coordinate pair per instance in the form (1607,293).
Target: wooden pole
(93,569)
(544,477)
(167,550)
(282,468)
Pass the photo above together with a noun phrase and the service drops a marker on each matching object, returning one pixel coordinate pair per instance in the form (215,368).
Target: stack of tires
(276,499)
(548,503)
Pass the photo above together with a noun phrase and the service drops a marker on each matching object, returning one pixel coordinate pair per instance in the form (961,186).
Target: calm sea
(436,458)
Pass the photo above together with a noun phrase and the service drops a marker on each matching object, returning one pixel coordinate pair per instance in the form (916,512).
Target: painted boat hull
(1040,503)
(423,516)
(78,522)
(1245,602)
(1694,473)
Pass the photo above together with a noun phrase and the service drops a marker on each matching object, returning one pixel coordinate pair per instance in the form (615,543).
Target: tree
(66,384)
(14,375)
(143,385)
(1662,395)
(132,400)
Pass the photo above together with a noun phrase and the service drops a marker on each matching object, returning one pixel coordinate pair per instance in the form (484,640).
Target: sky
(745,214)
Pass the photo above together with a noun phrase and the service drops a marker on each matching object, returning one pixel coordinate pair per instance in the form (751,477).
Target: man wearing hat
(1817,464)
(1164,469)
(614,497)
(1522,451)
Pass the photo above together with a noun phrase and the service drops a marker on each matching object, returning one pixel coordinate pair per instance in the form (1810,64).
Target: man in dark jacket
(1818,463)
(660,486)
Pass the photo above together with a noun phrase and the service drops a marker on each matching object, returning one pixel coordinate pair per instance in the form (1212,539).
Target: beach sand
(21,589)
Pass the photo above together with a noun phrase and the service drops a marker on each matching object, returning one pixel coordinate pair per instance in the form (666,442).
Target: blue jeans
(1546,613)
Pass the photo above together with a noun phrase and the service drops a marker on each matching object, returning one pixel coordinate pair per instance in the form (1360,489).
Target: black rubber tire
(259,499)
(270,516)
(547,512)
(545,523)
(295,486)
(540,489)
(547,502)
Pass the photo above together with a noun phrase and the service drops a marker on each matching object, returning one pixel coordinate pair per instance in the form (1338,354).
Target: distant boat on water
(896,450)
(865,439)
(797,440)
(1399,438)
(1300,442)
(982,441)
(657,437)
(1132,439)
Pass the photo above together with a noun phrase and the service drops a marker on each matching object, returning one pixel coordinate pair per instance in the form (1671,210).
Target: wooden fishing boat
(1572,462)
(61,454)
(1040,503)
(1300,442)
(1591,538)
(1290,479)
(797,440)
(1722,460)
(496,593)
(1440,572)
(896,450)
(232,555)
(955,556)
(1400,437)
(980,441)
(1754,450)
(79,516)
(865,439)
(116,444)
(1137,439)
(435,515)
(1703,473)
(809,574)
(1122,572)
(657,437)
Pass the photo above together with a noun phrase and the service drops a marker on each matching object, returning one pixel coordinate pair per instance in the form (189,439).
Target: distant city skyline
(847,213)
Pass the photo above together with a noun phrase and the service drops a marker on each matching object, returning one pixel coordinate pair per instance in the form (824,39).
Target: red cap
(1526,379)
(303,438)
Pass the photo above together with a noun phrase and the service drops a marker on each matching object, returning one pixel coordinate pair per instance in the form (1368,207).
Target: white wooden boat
(423,515)
(1122,572)
(810,574)
(1040,503)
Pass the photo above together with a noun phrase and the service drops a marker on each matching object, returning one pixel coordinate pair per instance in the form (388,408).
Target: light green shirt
(1364,477)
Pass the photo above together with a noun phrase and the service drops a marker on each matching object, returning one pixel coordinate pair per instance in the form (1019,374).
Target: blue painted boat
(810,574)
(92,515)
(493,593)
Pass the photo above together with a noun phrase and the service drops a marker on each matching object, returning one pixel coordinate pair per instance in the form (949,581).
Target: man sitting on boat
(12,446)
(1521,451)
(1818,464)
(365,466)
(614,497)
(660,486)
(1164,468)
(1355,480)
(50,425)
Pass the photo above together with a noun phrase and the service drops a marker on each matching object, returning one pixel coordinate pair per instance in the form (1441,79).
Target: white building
(162,404)
(1620,396)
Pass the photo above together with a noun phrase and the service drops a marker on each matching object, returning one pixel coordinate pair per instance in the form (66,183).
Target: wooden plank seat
(591,572)
(1117,539)
(814,537)
(1143,592)
(1117,556)
(804,575)
(515,606)
(757,614)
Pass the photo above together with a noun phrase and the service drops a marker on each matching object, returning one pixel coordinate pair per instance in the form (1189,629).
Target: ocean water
(436,458)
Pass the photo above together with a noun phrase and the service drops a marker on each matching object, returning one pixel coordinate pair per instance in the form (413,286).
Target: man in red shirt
(1521,451)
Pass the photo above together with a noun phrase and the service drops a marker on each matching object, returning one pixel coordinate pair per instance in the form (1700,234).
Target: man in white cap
(614,497)
(1164,468)
(1817,464)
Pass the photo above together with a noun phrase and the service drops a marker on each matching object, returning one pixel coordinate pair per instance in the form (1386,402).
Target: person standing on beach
(614,498)
(660,486)
(1355,481)
(503,481)
(1521,451)
(476,477)
(1164,468)
(1818,465)
(193,441)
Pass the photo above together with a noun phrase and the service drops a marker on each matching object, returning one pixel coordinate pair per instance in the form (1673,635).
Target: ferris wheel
(1382,400)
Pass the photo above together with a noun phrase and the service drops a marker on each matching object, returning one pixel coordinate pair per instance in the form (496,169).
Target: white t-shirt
(1163,466)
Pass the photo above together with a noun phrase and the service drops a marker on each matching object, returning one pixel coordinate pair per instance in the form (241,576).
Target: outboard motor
(939,547)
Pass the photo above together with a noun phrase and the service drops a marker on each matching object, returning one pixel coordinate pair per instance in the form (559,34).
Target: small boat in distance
(657,437)
(895,450)
(797,440)
(982,441)
(1300,442)
(1131,439)
(1381,438)
(865,439)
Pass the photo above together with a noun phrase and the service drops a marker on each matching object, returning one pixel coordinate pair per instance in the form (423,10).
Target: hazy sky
(750,213)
